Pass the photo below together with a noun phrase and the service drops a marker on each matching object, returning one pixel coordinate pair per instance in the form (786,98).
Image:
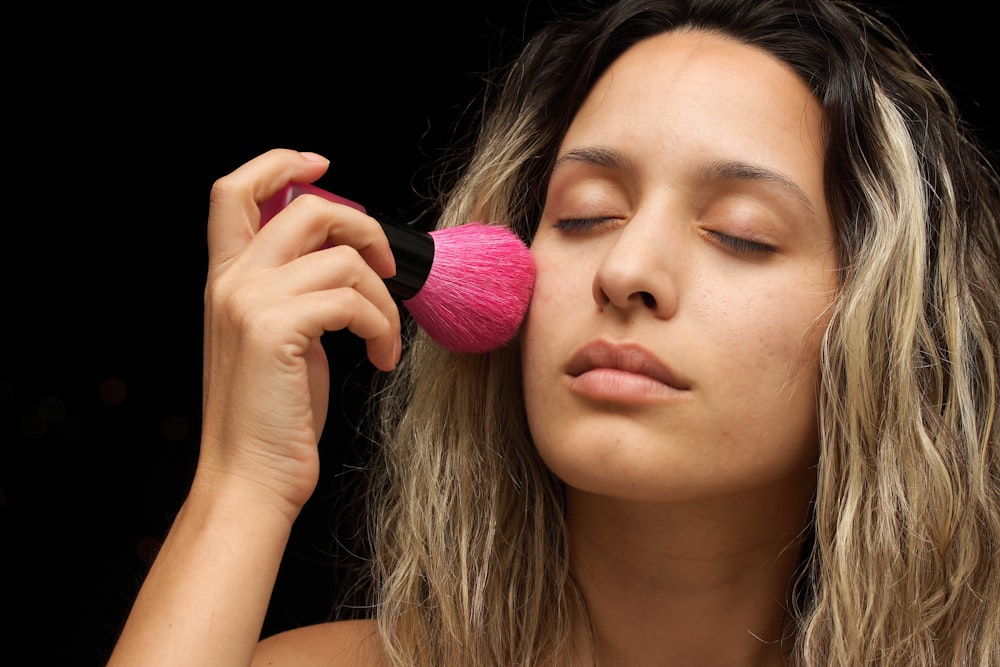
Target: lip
(609,370)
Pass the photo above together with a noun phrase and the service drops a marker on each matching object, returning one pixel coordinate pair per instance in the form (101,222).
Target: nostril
(648,299)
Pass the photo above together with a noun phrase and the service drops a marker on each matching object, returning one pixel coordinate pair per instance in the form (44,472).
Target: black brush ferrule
(413,251)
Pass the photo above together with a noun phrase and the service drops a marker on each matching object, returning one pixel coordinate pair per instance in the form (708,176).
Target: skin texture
(684,491)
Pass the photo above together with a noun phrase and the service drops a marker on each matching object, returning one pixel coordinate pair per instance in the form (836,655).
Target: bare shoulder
(354,643)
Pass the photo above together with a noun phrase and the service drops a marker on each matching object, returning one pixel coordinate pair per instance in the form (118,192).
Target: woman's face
(685,267)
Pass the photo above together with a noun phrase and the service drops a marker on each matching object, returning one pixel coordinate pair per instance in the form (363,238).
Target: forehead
(704,68)
(690,98)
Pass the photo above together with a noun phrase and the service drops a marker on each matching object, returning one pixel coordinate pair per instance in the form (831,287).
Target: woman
(758,416)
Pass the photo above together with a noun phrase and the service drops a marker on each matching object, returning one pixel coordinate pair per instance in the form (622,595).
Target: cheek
(769,329)
(762,395)
(789,347)
(544,304)
(784,377)
(800,320)
(558,297)
(562,287)
(766,356)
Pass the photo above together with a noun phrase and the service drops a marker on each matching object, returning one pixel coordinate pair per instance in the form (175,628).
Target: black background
(117,125)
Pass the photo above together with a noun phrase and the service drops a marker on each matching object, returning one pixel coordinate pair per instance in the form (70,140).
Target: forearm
(204,599)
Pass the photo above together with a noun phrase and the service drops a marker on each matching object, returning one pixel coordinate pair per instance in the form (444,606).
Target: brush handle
(412,249)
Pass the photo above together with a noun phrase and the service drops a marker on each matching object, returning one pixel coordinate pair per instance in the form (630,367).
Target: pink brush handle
(280,199)
(412,249)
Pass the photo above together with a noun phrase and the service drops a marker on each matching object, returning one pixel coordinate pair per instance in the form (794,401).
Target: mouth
(603,356)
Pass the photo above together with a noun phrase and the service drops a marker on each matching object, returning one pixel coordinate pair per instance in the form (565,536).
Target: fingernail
(314,157)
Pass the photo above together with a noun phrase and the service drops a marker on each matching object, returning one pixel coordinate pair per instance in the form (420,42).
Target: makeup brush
(468,286)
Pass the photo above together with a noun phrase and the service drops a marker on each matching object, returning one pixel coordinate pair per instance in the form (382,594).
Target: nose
(639,271)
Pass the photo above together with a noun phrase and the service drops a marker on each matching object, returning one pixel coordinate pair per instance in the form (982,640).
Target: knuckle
(345,254)
(224,187)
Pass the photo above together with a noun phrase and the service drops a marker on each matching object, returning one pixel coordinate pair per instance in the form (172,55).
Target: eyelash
(736,244)
(580,224)
(742,246)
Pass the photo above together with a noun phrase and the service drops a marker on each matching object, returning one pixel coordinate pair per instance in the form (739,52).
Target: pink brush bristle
(478,288)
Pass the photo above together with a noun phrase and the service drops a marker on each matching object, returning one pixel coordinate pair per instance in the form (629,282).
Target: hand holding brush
(468,286)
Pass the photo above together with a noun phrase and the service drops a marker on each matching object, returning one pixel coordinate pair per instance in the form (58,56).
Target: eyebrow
(725,170)
(595,155)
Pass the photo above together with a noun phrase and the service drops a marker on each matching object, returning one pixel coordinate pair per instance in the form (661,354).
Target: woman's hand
(271,293)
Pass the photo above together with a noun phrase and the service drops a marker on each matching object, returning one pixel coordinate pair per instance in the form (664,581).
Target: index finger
(311,223)
(234,213)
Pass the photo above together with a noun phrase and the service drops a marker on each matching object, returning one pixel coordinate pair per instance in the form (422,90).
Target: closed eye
(571,225)
(741,246)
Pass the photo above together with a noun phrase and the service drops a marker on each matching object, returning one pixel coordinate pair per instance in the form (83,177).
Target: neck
(695,583)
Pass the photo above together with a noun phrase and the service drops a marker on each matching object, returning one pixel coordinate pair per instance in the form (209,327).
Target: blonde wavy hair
(902,565)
